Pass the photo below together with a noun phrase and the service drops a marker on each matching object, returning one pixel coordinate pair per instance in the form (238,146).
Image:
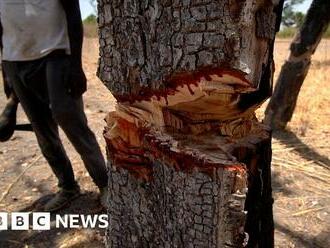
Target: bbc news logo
(43,221)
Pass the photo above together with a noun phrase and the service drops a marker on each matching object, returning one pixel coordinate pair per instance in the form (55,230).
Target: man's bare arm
(75,27)
(75,30)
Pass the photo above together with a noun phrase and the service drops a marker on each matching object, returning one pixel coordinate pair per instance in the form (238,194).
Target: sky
(87,9)
(302,7)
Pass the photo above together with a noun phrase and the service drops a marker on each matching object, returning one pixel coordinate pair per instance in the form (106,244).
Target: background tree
(282,104)
(91,19)
(90,22)
(290,17)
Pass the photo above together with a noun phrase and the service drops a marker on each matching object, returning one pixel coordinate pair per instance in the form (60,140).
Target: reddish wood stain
(172,83)
(139,160)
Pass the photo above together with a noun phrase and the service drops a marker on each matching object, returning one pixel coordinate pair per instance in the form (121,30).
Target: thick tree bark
(283,102)
(184,144)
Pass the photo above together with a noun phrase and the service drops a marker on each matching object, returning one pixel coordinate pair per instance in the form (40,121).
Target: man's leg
(41,119)
(69,114)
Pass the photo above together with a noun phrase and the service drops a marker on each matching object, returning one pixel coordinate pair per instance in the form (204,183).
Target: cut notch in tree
(184,143)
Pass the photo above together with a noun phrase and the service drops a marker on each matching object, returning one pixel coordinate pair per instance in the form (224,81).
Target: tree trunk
(283,102)
(184,144)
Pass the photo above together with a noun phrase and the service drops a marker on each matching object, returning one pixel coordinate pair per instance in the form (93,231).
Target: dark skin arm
(75,28)
(77,83)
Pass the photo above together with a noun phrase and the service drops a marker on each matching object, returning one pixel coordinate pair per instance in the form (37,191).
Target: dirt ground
(301,166)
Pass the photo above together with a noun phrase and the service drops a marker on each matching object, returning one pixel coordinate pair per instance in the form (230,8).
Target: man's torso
(32,29)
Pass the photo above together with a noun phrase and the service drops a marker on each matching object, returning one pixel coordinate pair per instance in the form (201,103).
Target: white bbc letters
(20,221)
(3,221)
(41,221)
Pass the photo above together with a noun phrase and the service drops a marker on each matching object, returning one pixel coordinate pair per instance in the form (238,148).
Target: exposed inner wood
(163,152)
(213,97)
(131,145)
(197,126)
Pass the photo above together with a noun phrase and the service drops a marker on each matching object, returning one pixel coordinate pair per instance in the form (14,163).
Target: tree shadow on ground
(86,204)
(291,140)
(303,240)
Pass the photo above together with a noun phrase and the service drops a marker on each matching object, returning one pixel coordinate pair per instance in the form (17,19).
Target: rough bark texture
(184,144)
(177,209)
(144,44)
(293,72)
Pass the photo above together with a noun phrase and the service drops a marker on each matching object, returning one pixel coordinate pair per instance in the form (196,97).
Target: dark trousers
(41,86)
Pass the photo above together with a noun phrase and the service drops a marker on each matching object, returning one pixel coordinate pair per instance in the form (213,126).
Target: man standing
(41,56)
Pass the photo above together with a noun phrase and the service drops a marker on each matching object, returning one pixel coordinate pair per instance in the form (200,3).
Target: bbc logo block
(3,221)
(41,221)
(20,221)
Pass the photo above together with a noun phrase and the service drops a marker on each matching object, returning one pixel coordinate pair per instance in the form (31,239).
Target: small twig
(300,197)
(4,194)
(285,161)
(287,149)
(306,211)
(308,162)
